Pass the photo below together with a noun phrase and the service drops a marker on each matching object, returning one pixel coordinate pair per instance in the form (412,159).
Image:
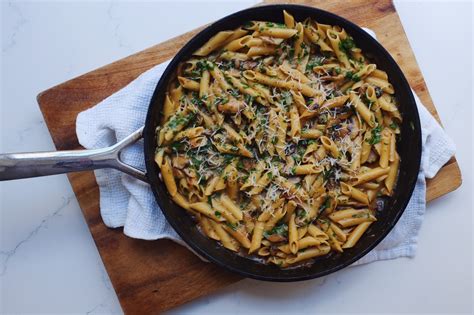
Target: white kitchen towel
(128,202)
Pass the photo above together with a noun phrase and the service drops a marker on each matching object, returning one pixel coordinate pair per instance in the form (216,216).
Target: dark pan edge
(149,140)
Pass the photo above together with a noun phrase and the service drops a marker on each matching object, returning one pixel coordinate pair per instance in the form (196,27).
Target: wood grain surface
(153,276)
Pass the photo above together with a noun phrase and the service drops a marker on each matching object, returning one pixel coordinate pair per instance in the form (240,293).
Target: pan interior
(409,148)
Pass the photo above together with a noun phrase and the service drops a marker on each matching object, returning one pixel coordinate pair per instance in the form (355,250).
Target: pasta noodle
(279,138)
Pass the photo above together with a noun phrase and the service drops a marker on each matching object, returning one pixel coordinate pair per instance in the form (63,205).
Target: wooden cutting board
(153,276)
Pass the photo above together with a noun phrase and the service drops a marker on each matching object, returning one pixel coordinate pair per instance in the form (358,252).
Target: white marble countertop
(48,260)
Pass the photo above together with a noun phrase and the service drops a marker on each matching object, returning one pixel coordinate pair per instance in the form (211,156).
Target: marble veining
(19,21)
(116,21)
(48,260)
(8,254)
(25,132)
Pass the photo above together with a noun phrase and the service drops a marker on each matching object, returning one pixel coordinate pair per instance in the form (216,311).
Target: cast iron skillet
(23,165)
(409,149)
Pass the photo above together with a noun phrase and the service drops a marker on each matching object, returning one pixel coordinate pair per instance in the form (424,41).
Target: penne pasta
(355,235)
(168,177)
(278,32)
(385,148)
(208,229)
(189,84)
(310,253)
(238,235)
(330,146)
(206,209)
(370,175)
(279,138)
(292,235)
(354,193)
(213,43)
(256,237)
(231,207)
(225,239)
(335,42)
(204,84)
(237,43)
(362,109)
(289,20)
(293,85)
(392,174)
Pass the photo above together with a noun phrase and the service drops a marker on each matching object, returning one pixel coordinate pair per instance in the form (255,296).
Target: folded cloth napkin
(128,202)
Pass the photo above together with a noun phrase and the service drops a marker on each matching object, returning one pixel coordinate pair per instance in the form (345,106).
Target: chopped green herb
(326,204)
(217,214)
(293,170)
(225,64)
(228,158)
(180,120)
(281,229)
(248,99)
(393,125)
(323,118)
(301,213)
(376,137)
(355,78)
(232,226)
(220,100)
(176,146)
(301,150)
(234,93)
(351,76)
(196,163)
(248,24)
(378,92)
(346,45)
(291,52)
(327,174)
(198,101)
(317,61)
(244,204)
(286,99)
(277,25)
(240,165)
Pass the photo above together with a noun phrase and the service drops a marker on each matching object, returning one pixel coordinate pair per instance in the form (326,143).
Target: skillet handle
(25,165)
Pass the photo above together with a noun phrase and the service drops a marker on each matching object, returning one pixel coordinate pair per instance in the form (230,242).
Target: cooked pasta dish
(279,139)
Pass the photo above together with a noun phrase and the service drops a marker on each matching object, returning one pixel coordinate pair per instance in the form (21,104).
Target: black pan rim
(150,138)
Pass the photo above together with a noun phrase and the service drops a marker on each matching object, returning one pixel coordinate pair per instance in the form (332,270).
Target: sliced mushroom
(189,172)
(276,238)
(372,157)
(177,173)
(198,142)
(179,162)
(248,164)
(272,40)
(354,127)
(248,65)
